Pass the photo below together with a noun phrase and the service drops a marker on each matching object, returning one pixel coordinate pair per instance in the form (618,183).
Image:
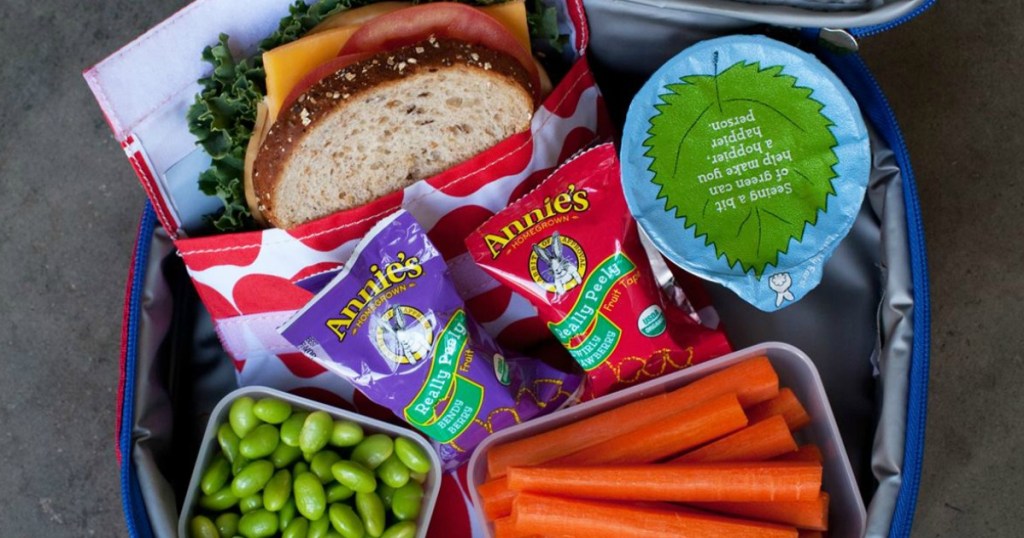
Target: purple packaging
(392,323)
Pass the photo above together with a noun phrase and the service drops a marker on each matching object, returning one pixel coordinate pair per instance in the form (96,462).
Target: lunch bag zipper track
(876,106)
(134,507)
(865,31)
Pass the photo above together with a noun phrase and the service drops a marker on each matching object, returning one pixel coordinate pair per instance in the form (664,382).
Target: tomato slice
(442,20)
(321,72)
(356,16)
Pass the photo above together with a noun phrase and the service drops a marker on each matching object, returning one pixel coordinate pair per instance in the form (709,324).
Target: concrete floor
(69,205)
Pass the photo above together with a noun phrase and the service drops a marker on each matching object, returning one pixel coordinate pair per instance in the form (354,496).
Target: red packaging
(572,249)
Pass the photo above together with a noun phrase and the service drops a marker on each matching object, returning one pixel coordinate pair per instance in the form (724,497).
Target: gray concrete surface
(69,205)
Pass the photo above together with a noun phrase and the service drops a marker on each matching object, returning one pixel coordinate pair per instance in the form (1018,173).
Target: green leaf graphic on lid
(745,158)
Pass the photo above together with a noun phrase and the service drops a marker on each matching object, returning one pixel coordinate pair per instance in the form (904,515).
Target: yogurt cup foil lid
(746,160)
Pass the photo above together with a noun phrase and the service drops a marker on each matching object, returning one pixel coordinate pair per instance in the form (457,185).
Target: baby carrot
(675,482)
(758,442)
(539,514)
(753,381)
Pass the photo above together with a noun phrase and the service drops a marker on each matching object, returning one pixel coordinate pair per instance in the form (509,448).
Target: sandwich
(364,103)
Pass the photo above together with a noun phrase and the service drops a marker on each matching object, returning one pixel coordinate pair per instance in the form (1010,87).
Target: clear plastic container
(796,371)
(209,448)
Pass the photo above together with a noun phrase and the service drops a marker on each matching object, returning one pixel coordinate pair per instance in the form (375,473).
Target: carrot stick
(591,519)
(809,452)
(753,380)
(496,498)
(809,515)
(762,441)
(675,482)
(674,434)
(785,404)
(811,534)
(503,528)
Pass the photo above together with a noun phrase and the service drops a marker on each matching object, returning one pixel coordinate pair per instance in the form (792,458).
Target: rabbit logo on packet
(392,323)
(572,249)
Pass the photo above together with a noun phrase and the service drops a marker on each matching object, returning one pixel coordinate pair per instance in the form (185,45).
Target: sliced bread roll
(380,124)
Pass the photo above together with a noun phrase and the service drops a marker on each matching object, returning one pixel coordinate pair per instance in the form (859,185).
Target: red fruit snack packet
(572,249)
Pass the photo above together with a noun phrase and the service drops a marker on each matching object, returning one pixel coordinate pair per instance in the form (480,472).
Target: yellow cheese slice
(285,66)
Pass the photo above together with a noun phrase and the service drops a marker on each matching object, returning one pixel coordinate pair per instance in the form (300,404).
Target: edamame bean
(386,493)
(310,499)
(227,523)
(393,472)
(345,520)
(277,491)
(316,431)
(216,475)
(405,504)
(258,524)
(260,442)
(272,410)
(219,501)
(346,433)
(418,477)
(333,534)
(318,528)
(241,417)
(353,475)
(373,450)
(250,503)
(287,513)
(299,468)
(321,463)
(402,529)
(284,455)
(338,492)
(297,529)
(412,455)
(371,510)
(202,527)
(228,441)
(252,478)
(241,462)
(290,428)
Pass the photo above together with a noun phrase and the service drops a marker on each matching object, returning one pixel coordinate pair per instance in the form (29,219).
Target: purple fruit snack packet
(392,323)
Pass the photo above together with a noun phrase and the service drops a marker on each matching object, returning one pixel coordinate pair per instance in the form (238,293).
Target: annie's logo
(565,202)
(385,282)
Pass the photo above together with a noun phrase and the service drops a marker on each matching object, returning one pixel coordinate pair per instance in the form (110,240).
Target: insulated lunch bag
(865,327)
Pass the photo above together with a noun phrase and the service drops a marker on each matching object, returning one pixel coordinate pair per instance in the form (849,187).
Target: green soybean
(240,463)
(316,431)
(310,499)
(318,528)
(333,534)
(284,455)
(402,529)
(338,492)
(272,410)
(220,500)
(373,450)
(241,417)
(393,472)
(298,528)
(228,441)
(405,504)
(418,477)
(346,433)
(260,442)
(287,513)
(412,455)
(299,468)
(290,428)
(252,478)
(258,524)
(202,527)
(354,476)
(386,493)
(277,491)
(216,475)
(227,523)
(371,510)
(321,464)
(345,520)
(250,503)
